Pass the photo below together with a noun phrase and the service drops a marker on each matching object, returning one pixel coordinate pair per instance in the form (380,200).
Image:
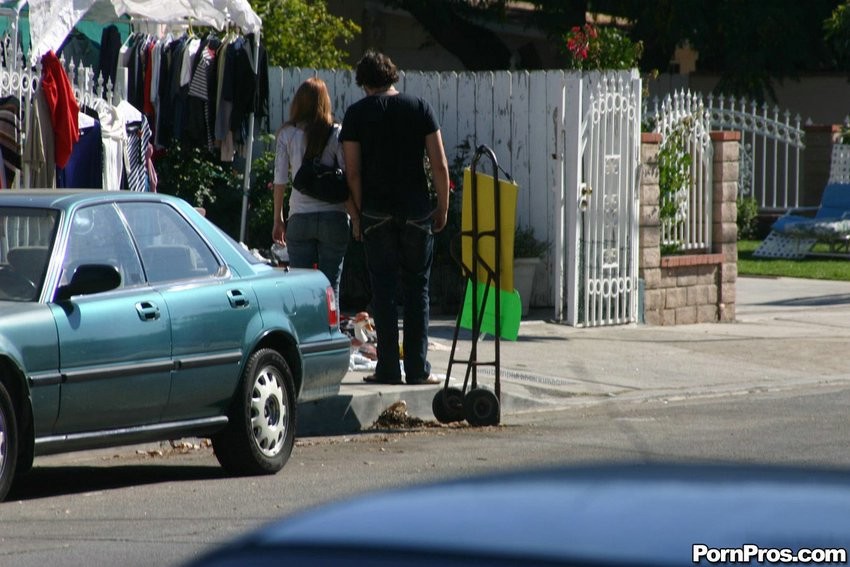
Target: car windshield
(26,238)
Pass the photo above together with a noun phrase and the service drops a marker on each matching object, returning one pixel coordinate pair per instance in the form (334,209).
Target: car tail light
(333,315)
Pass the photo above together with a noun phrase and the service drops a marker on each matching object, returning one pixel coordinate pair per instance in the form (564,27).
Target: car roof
(602,515)
(71,198)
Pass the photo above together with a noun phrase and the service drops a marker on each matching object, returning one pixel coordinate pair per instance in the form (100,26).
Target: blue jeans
(319,240)
(400,251)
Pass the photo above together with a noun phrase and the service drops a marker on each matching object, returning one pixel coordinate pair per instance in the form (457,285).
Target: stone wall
(690,288)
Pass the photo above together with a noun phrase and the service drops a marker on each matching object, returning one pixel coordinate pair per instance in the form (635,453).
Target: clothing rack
(23,70)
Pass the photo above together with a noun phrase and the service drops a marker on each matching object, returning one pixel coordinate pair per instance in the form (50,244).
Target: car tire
(261,432)
(8,442)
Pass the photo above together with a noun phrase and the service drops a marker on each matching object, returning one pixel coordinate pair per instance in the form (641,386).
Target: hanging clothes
(198,131)
(63,107)
(85,164)
(139,173)
(113,134)
(246,89)
(39,149)
(223,135)
(110,46)
(80,50)
(10,134)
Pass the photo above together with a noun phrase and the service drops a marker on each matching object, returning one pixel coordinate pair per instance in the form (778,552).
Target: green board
(510,311)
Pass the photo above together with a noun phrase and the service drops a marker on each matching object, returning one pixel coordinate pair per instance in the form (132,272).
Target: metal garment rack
(479,406)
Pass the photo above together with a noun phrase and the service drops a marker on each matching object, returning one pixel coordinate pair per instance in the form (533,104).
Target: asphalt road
(119,507)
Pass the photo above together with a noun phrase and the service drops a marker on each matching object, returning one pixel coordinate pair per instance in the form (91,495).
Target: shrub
(748,211)
(674,180)
(590,48)
(526,245)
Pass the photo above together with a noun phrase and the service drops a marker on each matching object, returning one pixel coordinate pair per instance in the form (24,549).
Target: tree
(837,28)
(464,28)
(301,33)
(751,45)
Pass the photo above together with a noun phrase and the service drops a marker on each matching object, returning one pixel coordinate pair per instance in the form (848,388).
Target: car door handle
(237,298)
(147,311)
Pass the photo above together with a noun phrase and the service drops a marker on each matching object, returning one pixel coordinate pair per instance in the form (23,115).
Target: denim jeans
(319,240)
(400,251)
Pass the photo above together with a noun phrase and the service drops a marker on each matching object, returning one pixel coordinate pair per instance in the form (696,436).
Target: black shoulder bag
(324,182)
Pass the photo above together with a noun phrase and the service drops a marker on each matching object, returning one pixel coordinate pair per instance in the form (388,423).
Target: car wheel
(261,432)
(8,442)
(448,405)
(481,407)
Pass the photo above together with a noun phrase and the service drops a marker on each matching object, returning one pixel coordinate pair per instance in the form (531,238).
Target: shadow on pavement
(47,482)
(812,301)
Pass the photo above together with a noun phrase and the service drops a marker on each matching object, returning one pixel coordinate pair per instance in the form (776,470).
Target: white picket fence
(545,129)
(517,114)
(511,112)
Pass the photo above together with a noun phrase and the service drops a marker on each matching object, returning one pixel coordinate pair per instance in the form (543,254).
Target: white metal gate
(602,168)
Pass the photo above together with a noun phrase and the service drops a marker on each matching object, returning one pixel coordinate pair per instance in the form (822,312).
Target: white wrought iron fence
(772,147)
(684,122)
(772,144)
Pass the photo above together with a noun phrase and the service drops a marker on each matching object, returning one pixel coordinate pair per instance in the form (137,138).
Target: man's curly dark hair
(375,70)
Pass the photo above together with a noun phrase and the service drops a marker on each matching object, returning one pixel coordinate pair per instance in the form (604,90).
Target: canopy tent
(52,21)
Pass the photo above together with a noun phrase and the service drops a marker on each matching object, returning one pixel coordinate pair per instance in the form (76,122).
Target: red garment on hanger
(64,109)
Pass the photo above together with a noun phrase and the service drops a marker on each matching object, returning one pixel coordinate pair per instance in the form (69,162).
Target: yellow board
(486,246)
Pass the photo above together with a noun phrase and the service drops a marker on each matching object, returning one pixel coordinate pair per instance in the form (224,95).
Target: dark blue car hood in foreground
(618,515)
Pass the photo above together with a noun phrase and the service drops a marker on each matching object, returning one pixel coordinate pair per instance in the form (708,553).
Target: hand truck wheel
(481,407)
(448,405)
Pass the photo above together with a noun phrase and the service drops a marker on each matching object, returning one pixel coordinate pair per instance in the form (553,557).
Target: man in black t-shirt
(385,137)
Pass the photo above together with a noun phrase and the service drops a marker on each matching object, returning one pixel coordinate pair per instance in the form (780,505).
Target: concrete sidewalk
(788,333)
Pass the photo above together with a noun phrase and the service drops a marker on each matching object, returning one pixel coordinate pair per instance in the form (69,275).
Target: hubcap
(268,412)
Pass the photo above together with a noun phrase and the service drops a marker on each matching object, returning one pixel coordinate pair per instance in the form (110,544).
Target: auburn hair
(311,107)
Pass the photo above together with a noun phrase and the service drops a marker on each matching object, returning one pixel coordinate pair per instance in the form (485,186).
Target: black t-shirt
(391,130)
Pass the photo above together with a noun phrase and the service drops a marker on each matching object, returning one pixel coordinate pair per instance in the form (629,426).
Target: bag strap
(328,141)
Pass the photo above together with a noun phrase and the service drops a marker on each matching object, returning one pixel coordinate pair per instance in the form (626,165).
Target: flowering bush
(590,48)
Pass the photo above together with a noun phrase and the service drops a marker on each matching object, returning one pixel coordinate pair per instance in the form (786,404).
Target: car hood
(619,515)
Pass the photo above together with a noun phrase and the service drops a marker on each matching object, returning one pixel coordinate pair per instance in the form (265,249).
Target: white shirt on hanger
(186,68)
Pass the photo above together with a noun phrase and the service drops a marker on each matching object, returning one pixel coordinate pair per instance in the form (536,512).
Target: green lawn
(812,267)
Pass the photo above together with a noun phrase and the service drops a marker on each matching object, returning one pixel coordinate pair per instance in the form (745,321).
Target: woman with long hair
(315,232)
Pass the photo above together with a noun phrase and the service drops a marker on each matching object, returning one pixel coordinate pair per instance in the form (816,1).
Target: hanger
(126,44)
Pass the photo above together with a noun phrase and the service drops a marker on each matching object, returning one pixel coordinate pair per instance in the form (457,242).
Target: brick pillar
(724,234)
(649,263)
(816,161)
(699,287)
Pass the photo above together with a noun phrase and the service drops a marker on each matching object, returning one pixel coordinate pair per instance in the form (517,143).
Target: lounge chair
(795,233)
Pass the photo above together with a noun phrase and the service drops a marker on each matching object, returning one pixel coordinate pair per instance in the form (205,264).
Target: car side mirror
(88,279)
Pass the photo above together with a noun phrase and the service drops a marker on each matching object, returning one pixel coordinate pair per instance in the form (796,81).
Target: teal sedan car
(128,317)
